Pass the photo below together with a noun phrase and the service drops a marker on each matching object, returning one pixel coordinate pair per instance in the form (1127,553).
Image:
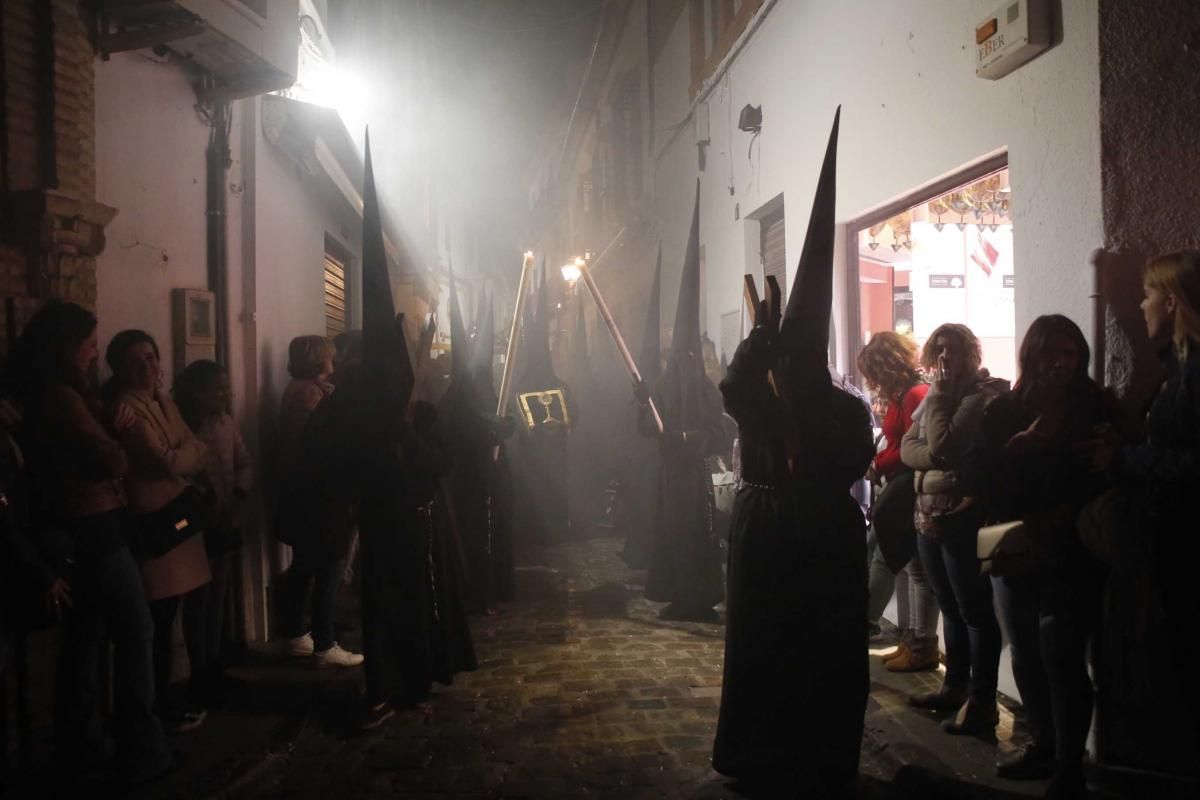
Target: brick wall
(52,228)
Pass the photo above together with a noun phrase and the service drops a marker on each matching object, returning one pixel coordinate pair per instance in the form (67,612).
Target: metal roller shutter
(335,296)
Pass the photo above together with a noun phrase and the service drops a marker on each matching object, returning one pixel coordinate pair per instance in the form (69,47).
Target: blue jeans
(107,596)
(324,575)
(965,597)
(1021,603)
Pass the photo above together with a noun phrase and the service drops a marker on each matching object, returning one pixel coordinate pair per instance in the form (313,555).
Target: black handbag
(159,532)
(892,519)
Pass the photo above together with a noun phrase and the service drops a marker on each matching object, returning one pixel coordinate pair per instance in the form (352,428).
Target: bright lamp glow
(338,88)
(571,272)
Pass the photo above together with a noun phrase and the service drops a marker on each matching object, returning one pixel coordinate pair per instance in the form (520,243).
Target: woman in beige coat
(163,455)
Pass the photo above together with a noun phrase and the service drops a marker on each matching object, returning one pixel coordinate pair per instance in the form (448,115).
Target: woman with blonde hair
(1165,468)
(889,366)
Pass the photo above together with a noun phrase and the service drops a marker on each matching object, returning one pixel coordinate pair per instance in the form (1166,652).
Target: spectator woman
(1165,469)
(310,364)
(1035,471)
(889,365)
(78,467)
(945,427)
(164,457)
(314,512)
(202,393)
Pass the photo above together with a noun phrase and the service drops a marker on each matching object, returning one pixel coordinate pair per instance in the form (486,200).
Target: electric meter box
(1011,36)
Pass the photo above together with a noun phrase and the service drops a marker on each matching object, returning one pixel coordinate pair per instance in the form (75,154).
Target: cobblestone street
(581,692)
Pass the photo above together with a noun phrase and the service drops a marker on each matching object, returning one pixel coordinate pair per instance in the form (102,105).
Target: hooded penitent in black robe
(414,624)
(540,454)
(685,562)
(642,489)
(473,431)
(796,674)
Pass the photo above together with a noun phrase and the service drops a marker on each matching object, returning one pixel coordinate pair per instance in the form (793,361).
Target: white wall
(150,166)
(912,110)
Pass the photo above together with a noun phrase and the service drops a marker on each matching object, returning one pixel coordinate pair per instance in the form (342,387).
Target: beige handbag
(1005,549)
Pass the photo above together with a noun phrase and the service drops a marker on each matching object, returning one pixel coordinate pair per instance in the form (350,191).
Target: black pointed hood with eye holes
(689,400)
(803,344)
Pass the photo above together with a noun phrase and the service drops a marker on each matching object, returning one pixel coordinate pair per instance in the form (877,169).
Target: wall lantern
(750,120)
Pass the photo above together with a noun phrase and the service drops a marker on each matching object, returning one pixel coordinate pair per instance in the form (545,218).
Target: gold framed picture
(545,410)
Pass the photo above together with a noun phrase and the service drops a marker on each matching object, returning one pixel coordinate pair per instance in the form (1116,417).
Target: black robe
(685,561)
(796,672)
(642,503)
(414,621)
(478,490)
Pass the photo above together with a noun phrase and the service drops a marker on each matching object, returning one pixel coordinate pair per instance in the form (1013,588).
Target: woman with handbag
(945,428)
(164,455)
(202,393)
(77,469)
(889,366)
(1049,601)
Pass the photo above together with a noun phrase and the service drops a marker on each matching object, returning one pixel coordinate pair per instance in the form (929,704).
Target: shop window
(335,296)
(947,257)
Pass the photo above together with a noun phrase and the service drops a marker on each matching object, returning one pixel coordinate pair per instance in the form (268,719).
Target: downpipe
(218,161)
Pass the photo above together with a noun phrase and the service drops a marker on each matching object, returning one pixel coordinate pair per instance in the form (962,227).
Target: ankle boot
(921,656)
(902,648)
(977,718)
(947,698)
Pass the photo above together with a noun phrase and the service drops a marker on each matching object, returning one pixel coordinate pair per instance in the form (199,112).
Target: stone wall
(1149,129)
(1149,90)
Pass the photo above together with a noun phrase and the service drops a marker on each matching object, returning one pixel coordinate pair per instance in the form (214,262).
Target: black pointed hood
(650,358)
(689,400)
(579,375)
(460,344)
(686,336)
(805,328)
(537,369)
(388,370)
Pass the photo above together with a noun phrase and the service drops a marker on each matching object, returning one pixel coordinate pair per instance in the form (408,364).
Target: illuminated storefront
(947,258)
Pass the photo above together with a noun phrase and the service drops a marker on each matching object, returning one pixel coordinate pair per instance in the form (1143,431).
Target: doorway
(944,254)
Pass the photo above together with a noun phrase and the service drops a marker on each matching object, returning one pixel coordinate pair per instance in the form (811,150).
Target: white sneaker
(299,647)
(337,657)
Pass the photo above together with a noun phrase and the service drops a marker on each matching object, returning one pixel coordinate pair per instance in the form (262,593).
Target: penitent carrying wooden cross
(767,312)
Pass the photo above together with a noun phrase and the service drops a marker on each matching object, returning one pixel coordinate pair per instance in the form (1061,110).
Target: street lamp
(571,272)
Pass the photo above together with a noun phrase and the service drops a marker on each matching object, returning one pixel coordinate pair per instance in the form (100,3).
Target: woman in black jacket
(1032,469)
(1165,469)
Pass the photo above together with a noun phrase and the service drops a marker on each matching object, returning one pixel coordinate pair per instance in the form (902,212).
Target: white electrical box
(700,123)
(194,320)
(1011,36)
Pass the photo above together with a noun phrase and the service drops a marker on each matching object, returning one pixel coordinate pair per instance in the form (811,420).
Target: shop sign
(946,281)
(1008,281)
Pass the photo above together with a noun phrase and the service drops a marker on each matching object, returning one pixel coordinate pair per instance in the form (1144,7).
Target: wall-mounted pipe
(218,161)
